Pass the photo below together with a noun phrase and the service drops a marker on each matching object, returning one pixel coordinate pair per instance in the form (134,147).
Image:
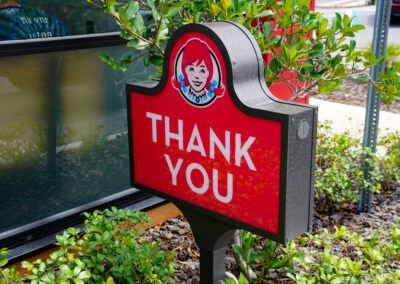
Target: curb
(342,4)
(352,118)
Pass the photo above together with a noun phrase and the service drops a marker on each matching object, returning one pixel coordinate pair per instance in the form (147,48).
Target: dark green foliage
(338,174)
(305,50)
(391,160)
(109,250)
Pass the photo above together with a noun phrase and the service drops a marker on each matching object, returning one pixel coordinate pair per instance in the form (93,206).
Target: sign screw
(303,128)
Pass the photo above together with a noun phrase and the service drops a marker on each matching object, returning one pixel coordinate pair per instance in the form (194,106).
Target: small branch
(4,276)
(250,274)
(137,57)
(158,30)
(132,33)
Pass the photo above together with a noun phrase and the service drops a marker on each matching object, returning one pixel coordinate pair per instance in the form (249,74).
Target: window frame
(65,43)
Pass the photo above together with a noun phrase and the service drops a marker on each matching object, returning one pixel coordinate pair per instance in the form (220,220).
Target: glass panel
(31,19)
(63,132)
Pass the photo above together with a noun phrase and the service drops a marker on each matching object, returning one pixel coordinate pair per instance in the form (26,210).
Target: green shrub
(388,83)
(110,250)
(263,256)
(282,29)
(362,260)
(341,256)
(338,173)
(391,160)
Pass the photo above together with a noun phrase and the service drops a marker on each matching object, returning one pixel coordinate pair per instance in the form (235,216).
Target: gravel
(176,235)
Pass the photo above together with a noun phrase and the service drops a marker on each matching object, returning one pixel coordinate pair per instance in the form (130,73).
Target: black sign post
(212,237)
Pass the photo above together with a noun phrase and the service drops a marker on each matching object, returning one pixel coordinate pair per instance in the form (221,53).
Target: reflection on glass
(63,133)
(80,17)
(32,19)
(19,21)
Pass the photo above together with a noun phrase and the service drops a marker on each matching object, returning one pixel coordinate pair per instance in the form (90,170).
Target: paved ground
(347,117)
(340,3)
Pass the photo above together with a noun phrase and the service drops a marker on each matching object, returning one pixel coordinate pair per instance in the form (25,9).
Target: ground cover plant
(109,250)
(339,174)
(313,258)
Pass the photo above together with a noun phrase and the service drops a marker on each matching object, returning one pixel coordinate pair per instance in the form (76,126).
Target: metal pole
(379,43)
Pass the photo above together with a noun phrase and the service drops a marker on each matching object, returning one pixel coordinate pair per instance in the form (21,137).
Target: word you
(232,144)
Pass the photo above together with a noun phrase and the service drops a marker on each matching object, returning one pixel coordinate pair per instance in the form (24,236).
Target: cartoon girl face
(197,76)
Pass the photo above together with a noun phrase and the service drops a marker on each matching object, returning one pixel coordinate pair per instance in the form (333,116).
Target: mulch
(356,93)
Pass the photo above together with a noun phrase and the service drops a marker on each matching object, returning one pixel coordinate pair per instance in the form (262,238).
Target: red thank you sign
(211,137)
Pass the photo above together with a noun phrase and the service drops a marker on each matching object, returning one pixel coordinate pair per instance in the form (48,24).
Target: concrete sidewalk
(340,4)
(352,118)
(329,4)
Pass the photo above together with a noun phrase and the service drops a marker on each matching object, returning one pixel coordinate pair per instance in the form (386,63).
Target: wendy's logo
(198,74)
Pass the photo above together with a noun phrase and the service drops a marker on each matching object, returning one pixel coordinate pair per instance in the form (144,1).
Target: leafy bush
(262,257)
(313,258)
(338,173)
(364,260)
(282,29)
(389,77)
(110,250)
(391,160)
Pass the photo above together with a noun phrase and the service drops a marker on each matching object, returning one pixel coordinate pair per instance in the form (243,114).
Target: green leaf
(156,60)
(274,40)
(138,24)
(337,22)
(280,263)
(316,49)
(264,13)
(132,10)
(352,44)
(84,275)
(323,25)
(274,65)
(360,77)
(172,11)
(198,17)
(3,262)
(243,279)
(156,15)
(380,60)
(110,5)
(238,249)
(138,44)
(267,30)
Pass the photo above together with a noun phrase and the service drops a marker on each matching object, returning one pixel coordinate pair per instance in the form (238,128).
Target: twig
(4,275)
(250,274)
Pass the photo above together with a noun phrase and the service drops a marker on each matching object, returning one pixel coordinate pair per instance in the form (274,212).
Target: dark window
(63,126)
(32,19)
